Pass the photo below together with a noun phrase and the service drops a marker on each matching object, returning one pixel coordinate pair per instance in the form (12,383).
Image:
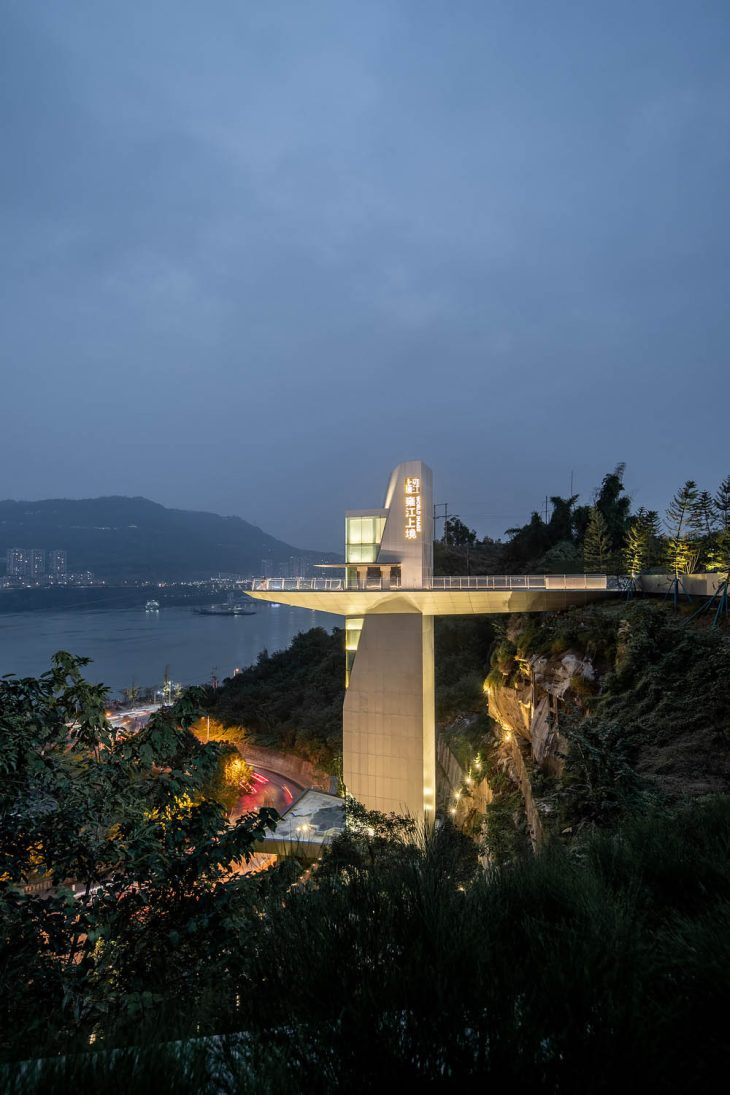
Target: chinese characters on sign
(413,507)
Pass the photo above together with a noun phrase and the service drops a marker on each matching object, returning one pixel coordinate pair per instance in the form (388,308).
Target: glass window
(362,538)
(353,532)
(361,553)
(353,629)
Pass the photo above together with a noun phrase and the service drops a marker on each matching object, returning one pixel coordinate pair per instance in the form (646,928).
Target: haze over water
(133,646)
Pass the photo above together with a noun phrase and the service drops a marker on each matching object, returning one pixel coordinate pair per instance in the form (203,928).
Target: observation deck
(439,596)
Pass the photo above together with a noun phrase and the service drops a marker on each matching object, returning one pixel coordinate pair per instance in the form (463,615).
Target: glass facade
(363,535)
(353,630)
(362,538)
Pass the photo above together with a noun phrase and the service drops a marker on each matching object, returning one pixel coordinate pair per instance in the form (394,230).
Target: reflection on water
(131,646)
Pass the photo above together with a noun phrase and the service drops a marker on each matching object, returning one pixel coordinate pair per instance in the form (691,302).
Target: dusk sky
(256,254)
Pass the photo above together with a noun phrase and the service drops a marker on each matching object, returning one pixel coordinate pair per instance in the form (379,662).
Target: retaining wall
(301,771)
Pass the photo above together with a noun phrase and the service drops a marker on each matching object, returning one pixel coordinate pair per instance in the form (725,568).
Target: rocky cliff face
(602,703)
(464,793)
(528,712)
(529,707)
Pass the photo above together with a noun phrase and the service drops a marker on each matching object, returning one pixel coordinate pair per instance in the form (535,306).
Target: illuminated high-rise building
(25,562)
(56,563)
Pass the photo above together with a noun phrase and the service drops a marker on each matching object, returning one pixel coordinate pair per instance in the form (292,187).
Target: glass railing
(523,581)
(486,582)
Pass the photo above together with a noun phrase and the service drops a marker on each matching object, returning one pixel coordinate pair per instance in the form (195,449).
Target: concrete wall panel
(390,758)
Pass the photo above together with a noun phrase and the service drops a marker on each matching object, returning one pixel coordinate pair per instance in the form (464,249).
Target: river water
(131,646)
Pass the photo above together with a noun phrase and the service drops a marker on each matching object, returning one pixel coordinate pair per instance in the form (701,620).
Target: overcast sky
(255,254)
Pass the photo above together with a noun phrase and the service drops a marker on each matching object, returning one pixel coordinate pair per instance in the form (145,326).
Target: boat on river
(225,610)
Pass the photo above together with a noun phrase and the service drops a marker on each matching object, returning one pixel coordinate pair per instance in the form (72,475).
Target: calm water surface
(131,646)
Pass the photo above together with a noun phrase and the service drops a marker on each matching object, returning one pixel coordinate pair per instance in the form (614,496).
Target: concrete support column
(428,715)
(389,747)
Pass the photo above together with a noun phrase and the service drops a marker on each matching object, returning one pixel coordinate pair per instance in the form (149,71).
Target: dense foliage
(401,959)
(290,700)
(405,965)
(604,536)
(462,645)
(652,723)
(114,855)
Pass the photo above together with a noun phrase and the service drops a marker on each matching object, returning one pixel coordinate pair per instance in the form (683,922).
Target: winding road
(269,788)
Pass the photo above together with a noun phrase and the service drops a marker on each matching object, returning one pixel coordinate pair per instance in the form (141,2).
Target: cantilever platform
(466,596)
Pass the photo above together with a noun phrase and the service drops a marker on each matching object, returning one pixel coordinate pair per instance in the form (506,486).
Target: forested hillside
(290,700)
(119,538)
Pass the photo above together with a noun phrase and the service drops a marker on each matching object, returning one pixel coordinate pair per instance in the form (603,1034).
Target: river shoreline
(82,598)
(131,647)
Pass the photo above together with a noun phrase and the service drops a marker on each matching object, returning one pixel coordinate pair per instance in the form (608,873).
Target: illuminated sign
(413,507)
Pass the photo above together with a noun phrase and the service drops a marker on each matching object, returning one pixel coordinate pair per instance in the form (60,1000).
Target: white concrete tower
(389,738)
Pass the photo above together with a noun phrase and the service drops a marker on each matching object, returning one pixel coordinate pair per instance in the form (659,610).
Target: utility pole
(441,516)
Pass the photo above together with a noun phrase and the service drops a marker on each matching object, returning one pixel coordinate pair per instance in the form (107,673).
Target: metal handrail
(496,582)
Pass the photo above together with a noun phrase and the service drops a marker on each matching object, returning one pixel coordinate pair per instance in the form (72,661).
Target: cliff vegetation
(604,710)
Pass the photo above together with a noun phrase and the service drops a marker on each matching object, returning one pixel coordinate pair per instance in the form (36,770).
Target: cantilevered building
(389,597)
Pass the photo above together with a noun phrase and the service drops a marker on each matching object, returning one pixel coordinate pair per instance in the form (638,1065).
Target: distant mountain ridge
(118,538)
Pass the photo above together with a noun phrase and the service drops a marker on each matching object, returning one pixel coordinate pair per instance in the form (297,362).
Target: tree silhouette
(597,543)
(640,540)
(722,504)
(615,505)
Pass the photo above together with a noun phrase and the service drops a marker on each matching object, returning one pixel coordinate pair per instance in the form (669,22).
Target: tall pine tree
(681,549)
(640,542)
(703,523)
(703,519)
(597,543)
(722,504)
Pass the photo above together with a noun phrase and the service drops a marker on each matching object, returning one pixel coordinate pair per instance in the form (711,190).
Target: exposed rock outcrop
(474,794)
(529,708)
(637,690)
(526,705)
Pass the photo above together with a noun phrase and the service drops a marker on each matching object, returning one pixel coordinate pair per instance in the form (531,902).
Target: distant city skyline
(248,247)
(34,562)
